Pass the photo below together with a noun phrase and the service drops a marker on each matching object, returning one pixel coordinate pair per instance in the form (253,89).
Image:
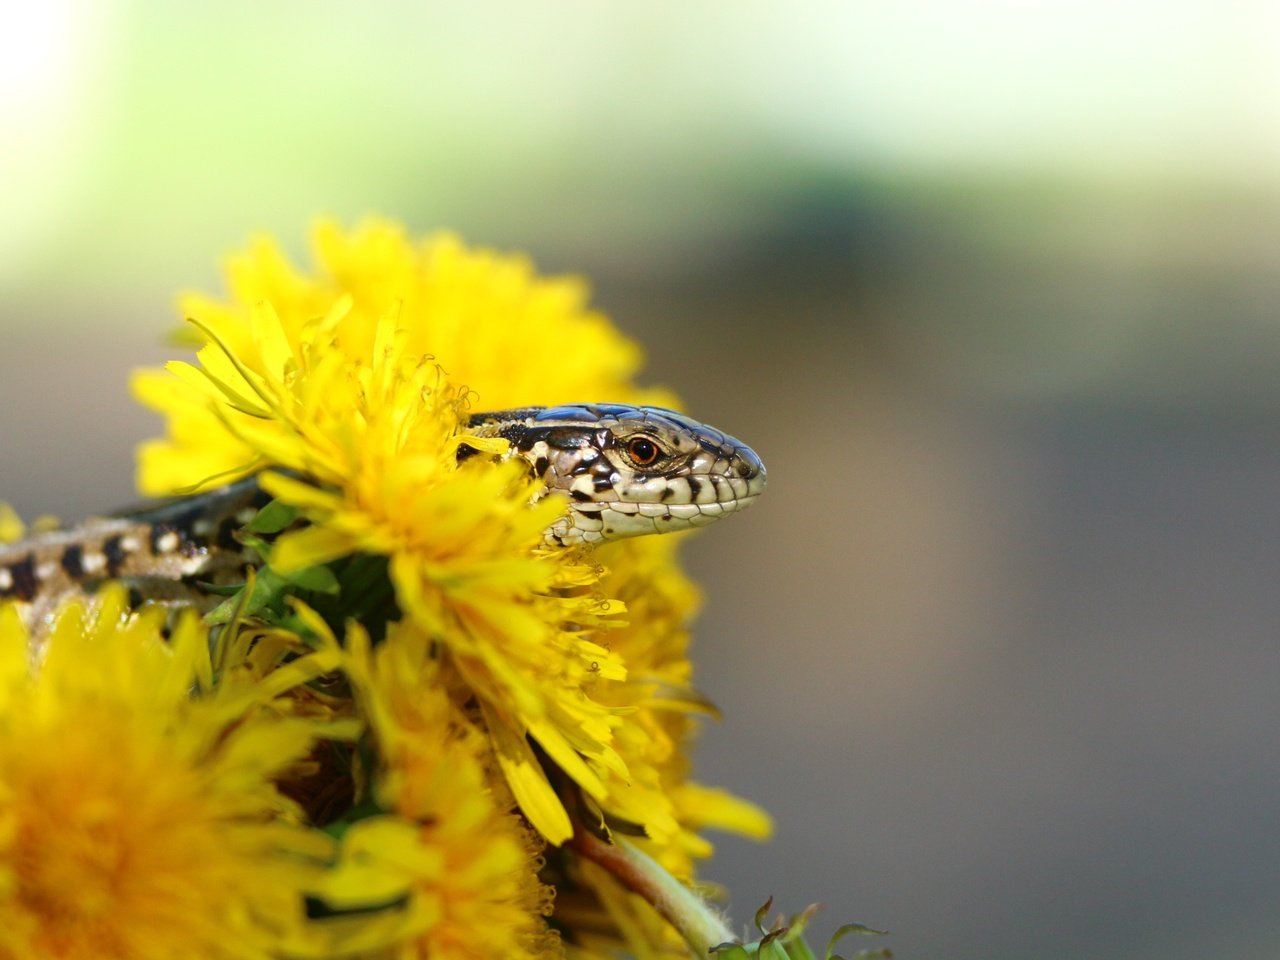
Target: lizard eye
(643,451)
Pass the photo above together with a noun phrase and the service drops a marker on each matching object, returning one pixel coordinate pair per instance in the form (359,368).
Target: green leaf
(256,544)
(318,579)
(267,590)
(272,518)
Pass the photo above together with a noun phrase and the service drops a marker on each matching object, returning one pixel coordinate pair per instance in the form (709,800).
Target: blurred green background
(992,287)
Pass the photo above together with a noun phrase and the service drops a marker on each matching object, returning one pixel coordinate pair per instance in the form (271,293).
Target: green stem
(700,926)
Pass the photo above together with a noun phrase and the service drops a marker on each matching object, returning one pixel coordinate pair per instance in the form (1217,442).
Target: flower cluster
(138,819)
(417,720)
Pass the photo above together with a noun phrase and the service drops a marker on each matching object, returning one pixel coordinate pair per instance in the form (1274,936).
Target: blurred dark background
(991,287)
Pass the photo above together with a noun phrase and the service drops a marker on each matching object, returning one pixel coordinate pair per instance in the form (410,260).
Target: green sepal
(884,953)
(761,918)
(786,942)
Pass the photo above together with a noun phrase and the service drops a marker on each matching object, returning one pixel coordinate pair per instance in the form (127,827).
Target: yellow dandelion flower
(136,821)
(511,337)
(376,439)
(460,867)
